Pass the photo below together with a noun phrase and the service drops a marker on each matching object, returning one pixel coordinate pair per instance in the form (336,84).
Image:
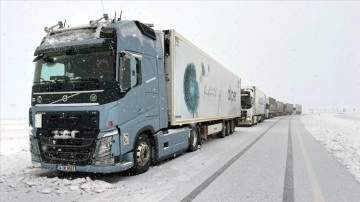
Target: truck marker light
(126,139)
(39,99)
(110,123)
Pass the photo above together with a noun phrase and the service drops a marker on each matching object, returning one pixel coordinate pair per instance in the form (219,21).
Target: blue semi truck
(114,95)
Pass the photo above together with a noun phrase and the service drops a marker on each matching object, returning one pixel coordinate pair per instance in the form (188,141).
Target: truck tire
(193,139)
(222,134)
(142,155)
(228,130)
(232,127)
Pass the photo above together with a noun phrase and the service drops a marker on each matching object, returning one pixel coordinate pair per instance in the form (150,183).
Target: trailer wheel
(222,134)
(228,130)
(142,155)
(232,127)
(193,139)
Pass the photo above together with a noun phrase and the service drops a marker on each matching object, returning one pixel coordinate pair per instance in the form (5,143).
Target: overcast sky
(297,52)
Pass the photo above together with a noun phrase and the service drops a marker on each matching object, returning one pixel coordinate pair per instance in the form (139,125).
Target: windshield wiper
(44,81)
(86,79)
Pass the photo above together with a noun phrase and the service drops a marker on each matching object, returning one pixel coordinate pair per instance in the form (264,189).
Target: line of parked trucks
(116,95)
(256,106)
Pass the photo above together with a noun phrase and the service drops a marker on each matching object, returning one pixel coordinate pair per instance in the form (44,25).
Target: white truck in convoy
(115,95)
(288,109)
(298,109)
(253,105)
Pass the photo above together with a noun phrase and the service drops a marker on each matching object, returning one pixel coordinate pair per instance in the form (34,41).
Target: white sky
(297,52)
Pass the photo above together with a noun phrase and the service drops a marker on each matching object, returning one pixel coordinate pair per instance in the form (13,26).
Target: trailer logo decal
(210,91)
(191,89)
(231,95)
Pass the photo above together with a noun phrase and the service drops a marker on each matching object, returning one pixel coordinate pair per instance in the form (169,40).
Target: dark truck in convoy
(115,95)
(280,108)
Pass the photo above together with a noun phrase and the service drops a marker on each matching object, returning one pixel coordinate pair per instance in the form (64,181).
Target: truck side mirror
(128,74)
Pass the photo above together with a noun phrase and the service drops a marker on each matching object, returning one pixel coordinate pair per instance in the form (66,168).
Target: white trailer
(298,109)
(253,105)
(199,88)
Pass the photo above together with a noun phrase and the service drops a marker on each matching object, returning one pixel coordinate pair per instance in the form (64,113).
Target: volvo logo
(64,98)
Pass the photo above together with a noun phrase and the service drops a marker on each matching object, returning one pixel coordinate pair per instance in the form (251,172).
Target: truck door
(131,84)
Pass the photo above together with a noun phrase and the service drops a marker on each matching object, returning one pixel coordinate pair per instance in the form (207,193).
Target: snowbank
(340,133)
(20,179)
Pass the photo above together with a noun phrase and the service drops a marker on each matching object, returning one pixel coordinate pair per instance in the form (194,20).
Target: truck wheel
(193,139)
(228,130)
(232,127)
(142,155)
(222,134)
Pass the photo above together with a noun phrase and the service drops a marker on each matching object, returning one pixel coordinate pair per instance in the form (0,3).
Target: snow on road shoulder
(19,179)
(340,133)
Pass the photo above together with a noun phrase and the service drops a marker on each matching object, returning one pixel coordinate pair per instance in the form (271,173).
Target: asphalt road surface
(277,160)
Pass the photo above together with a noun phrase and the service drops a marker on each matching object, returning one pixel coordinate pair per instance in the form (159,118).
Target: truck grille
(67,151)
(61,148)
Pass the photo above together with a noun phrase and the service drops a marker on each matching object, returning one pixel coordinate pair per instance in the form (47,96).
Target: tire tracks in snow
(217,173)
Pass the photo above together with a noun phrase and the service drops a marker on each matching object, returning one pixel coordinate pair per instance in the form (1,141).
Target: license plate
(67,168)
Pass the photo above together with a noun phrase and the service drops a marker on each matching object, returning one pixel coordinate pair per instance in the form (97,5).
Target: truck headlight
(104,147)
(103,156)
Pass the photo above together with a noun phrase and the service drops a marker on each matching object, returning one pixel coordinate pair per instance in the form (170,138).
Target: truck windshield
(90,67)
(245,100)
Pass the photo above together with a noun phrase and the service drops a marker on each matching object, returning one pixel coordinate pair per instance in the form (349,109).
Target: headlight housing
(105,144)
(104,148)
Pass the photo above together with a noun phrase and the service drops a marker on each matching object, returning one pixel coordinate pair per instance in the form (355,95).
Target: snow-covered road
(252,164)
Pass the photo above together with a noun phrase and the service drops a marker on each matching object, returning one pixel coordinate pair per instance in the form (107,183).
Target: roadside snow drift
(340,133)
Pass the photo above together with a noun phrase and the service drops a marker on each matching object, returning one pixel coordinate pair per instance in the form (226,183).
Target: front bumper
(92,168)
(246,121)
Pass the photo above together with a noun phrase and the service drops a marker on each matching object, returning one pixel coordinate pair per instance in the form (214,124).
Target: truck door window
(138,71)
(125,72)
(130,70)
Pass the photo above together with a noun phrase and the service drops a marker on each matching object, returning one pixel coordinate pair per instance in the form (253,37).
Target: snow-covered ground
(340,134)
(18,175)
(20,180)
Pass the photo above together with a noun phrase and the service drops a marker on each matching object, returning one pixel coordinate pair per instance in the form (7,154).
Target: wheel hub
(143,154)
